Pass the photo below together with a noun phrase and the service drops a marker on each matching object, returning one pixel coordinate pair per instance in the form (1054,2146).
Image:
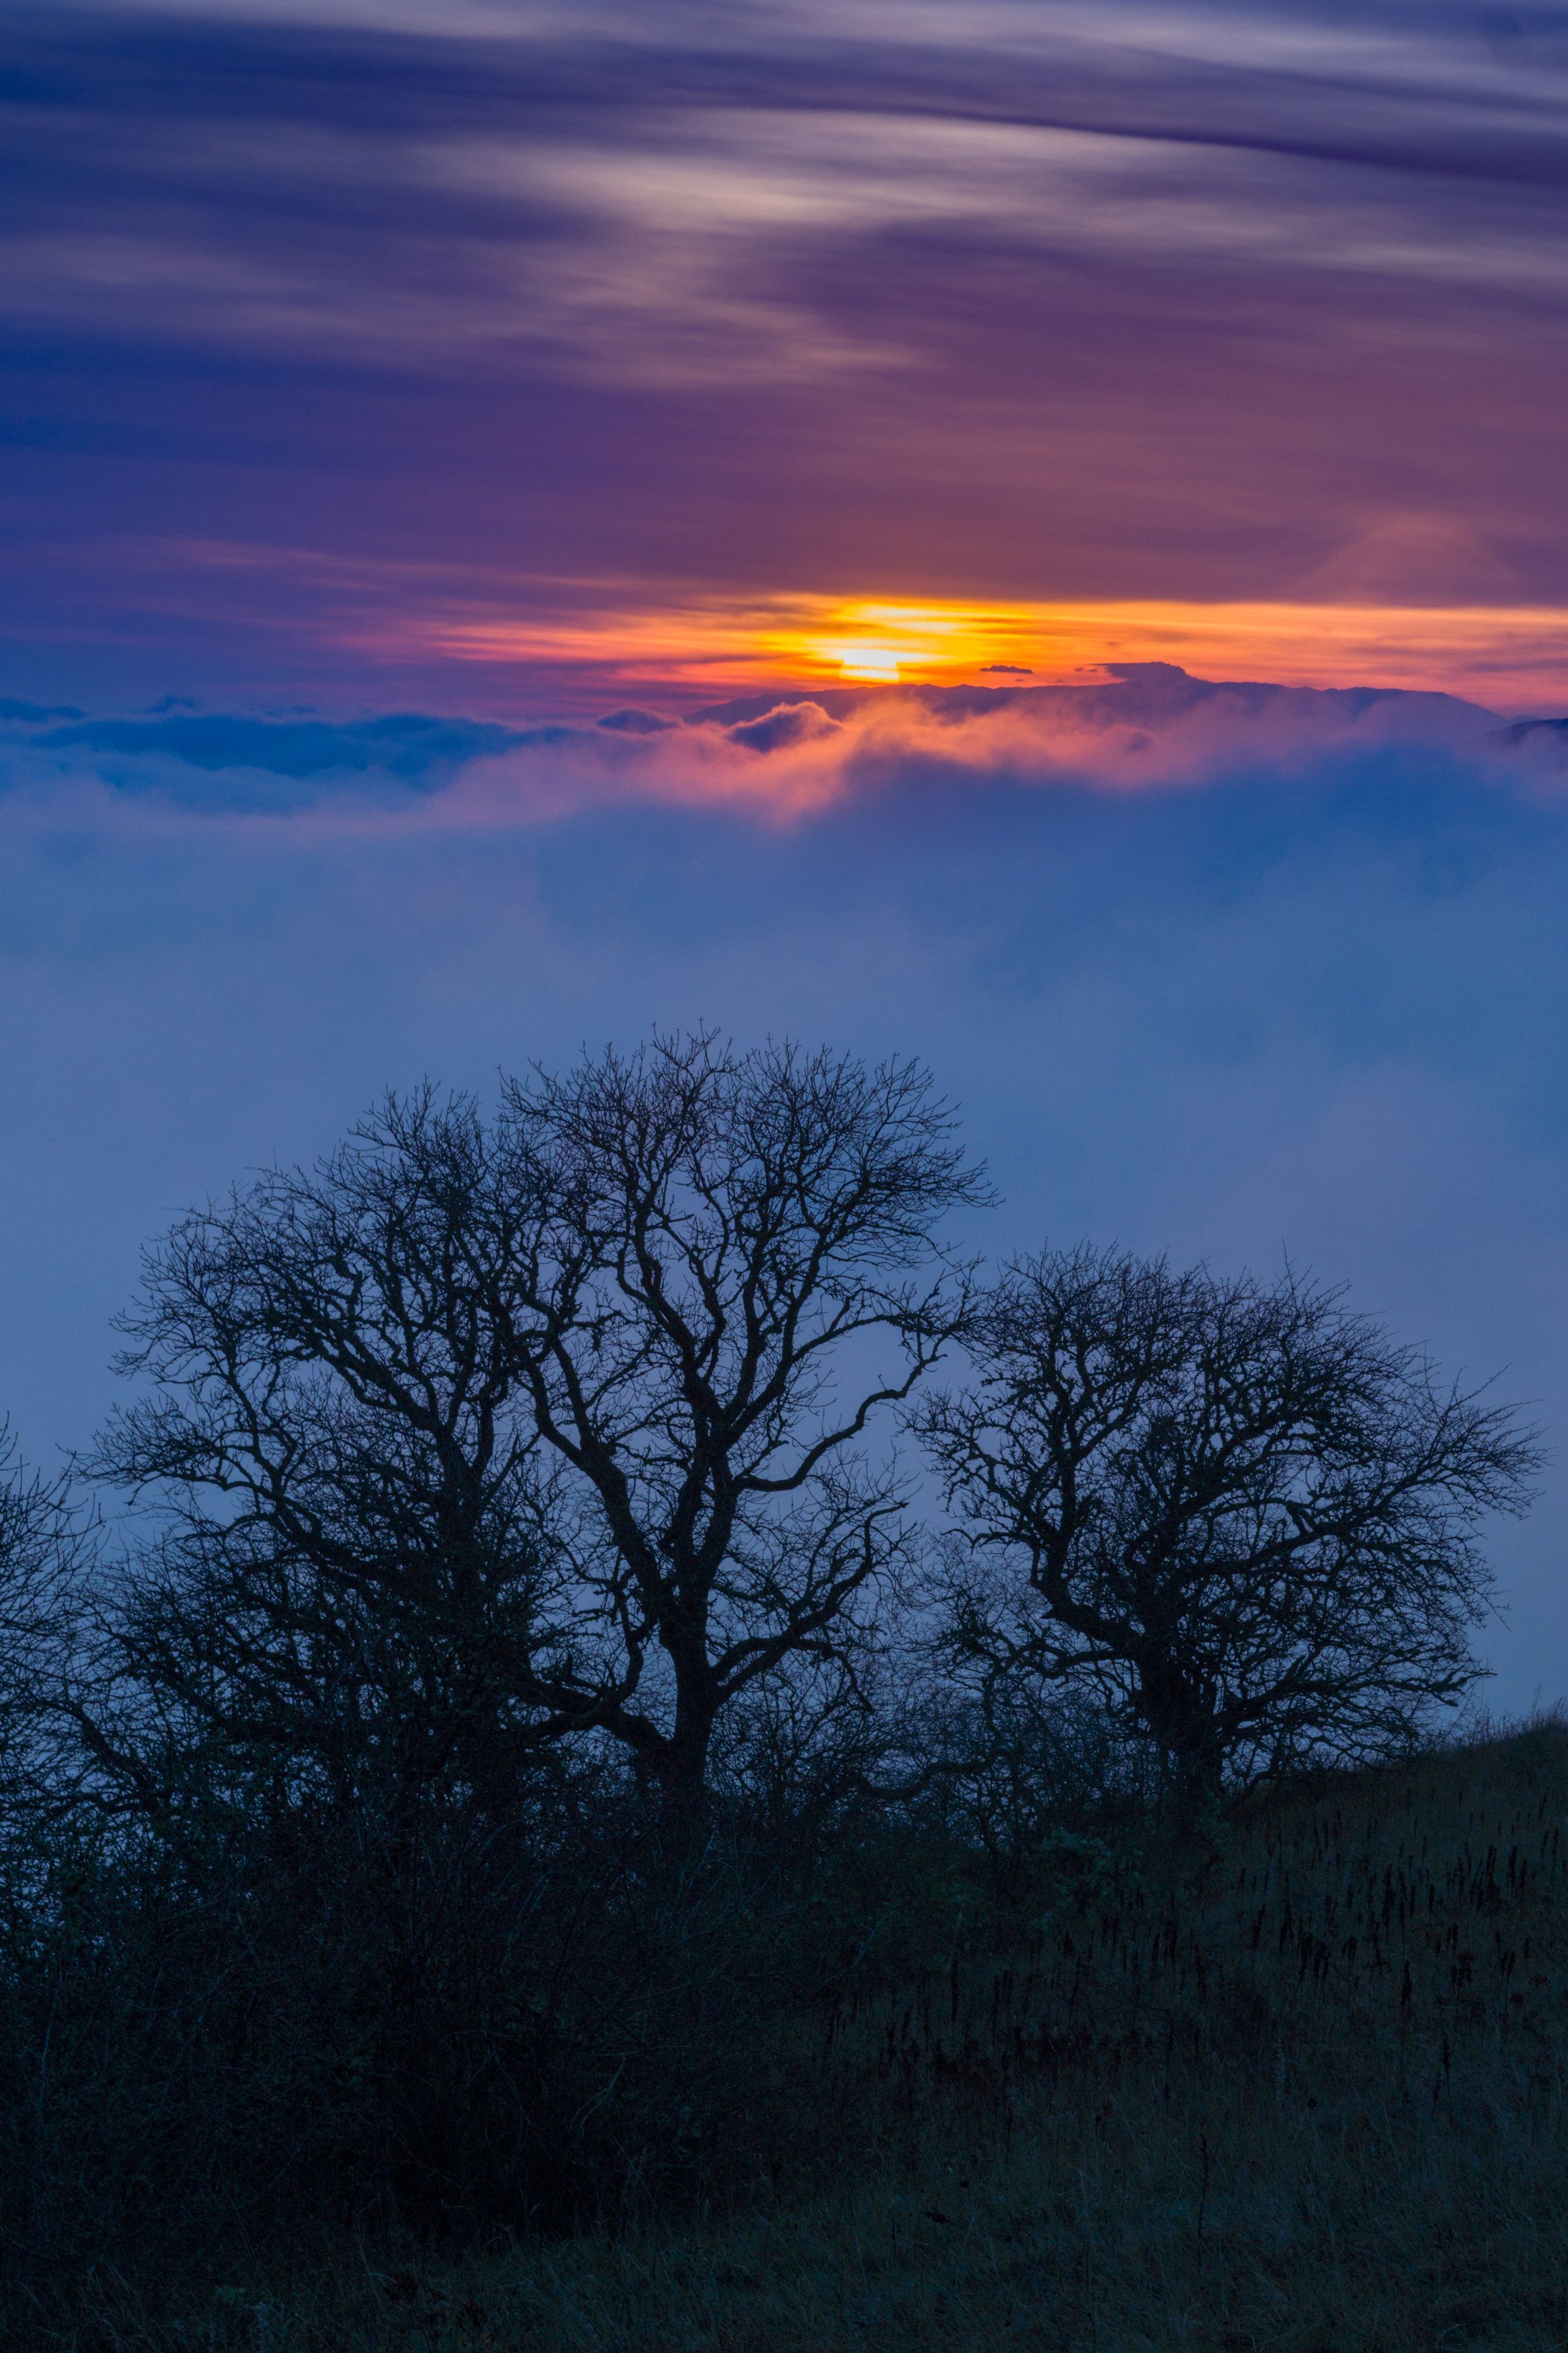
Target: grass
(1309,2097)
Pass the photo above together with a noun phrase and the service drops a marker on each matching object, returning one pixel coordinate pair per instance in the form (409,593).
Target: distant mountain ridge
(1141,694)
(1552,731)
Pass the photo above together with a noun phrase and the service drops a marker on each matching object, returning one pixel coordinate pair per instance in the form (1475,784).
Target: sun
(877,644)
(872,665)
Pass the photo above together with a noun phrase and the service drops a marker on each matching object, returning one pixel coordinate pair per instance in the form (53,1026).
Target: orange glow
(1501,654)
(871,665)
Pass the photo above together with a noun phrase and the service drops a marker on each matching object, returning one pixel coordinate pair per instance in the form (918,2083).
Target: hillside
(1308,2099)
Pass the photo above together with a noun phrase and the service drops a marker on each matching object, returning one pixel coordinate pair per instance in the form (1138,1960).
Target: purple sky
(322,320)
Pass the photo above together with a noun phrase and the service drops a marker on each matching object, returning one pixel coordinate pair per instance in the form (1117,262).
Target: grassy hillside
(1309,2095)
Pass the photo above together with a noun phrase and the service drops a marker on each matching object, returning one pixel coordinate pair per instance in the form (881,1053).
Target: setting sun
(869,665)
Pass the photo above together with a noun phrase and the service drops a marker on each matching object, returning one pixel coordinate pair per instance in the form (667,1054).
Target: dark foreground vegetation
(1306,2091)
(619,1750)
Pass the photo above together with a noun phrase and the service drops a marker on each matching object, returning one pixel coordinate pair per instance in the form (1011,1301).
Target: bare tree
(477,1438)
(1244,1511)
(746,1272)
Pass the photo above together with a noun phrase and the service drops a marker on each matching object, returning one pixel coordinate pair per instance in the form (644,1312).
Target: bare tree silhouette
(1244,1512)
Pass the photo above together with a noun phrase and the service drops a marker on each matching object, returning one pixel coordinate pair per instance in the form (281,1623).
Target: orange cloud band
(1498,655)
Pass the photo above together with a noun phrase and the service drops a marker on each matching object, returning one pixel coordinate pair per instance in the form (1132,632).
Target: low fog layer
(1229,971)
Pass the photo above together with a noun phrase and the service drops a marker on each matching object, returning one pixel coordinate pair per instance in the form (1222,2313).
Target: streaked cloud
(1517,654)
(1028,306)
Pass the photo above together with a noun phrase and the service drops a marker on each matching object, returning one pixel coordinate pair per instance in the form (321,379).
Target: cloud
(785,728)
(1143,728)
(406,750)
(1092,305)
(1146,728)
(32,714)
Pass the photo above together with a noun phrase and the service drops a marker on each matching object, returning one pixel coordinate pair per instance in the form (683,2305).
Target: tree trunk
(1182,1720)
(685,1800)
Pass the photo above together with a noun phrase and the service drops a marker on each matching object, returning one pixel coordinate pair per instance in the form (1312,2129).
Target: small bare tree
(41,1551)
(1244,1512)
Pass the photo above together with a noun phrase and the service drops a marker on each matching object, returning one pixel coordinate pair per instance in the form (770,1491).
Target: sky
(526,522)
